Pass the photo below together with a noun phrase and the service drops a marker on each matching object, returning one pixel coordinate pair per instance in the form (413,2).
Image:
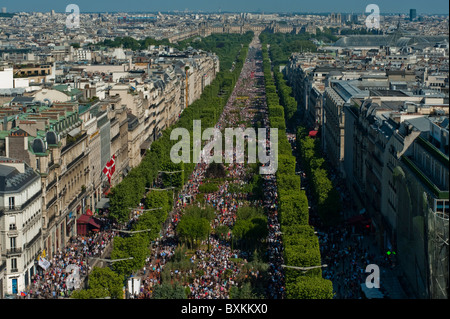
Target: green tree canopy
(168,291)
(309,288)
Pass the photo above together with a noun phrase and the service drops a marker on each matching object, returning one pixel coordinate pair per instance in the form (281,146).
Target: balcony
(52,183)
(77,198)
(76,160)
(34,240)
(17,208)
(13,251)
(73,141)
(51,201)
(52,165)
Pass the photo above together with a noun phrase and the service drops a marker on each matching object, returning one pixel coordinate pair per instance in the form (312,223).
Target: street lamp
(132,231)
(159,189)
(304,269)
(171,172)
(101,259)
(111,260)
(171,187)
(145,210)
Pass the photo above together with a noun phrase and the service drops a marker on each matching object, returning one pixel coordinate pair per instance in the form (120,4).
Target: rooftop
(15,175)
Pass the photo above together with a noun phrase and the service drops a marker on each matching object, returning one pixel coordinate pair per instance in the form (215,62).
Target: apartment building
(396,163)
(421,185)
(50,140)
(338,94)
(106,125)
(20,225)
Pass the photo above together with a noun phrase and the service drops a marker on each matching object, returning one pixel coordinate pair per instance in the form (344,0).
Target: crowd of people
(276,286)
(217,269)
(220,267)
(69,265)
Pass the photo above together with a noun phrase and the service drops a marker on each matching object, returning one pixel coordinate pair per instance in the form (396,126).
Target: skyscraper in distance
(412,14)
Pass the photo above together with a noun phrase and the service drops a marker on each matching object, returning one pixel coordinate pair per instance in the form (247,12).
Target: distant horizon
(387,7)
(226,12)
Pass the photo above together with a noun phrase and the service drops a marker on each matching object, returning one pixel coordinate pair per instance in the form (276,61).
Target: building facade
(20,225)
(398,173)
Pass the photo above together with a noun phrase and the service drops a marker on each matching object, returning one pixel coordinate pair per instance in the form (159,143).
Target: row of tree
(250,227)
(223,45)
(133,44)
(207,109)
(283,44)
(195,225)
(108,282)
(301,245)
(133,189)
(286,99)
(326,196)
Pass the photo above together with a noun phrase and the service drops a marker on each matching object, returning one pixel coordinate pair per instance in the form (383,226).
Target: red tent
(89,212)
(313,133)
(85,224)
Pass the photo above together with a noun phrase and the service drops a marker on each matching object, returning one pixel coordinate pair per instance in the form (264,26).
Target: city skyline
(169,150)
(282,6)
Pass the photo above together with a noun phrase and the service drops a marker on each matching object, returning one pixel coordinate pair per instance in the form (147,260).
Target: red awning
(93,223)
(313,133)
(85,219)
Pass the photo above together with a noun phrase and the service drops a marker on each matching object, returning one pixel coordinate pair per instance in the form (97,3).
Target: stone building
(20,225)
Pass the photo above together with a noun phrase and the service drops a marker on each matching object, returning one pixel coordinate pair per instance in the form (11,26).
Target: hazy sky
(357,6)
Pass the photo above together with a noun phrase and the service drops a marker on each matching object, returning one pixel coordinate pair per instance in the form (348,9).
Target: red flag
(113,165)
(110,168)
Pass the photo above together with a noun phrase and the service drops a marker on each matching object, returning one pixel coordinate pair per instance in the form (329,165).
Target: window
(14,263)
(12,223)
(12,242)
(441,206)
(11,203)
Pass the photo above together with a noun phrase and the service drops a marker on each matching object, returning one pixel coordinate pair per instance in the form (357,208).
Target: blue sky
(357,6)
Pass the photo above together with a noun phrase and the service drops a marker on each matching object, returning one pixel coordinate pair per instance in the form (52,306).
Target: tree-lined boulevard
(215,230)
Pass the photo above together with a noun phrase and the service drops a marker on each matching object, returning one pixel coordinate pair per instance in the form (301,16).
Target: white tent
(44,263)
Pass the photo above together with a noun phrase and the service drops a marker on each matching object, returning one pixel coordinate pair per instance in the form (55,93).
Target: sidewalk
(389,282)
